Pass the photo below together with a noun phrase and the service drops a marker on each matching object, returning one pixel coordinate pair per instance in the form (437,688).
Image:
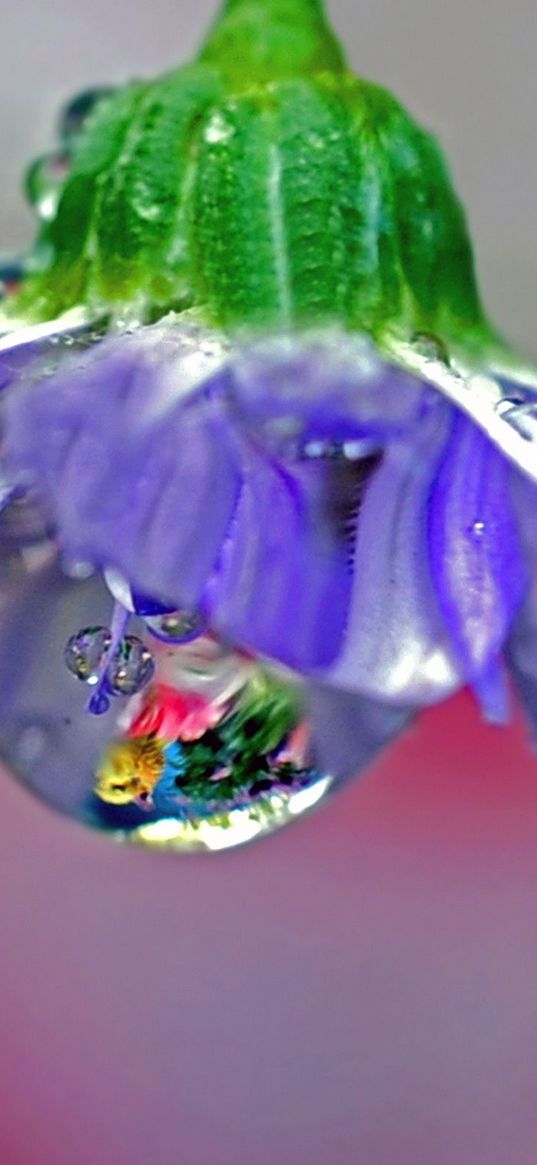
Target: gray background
(361,988)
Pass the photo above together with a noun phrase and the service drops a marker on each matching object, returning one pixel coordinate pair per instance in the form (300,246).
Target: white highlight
(278,231)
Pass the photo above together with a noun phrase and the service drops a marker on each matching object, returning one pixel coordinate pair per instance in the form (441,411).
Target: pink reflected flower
(170,714)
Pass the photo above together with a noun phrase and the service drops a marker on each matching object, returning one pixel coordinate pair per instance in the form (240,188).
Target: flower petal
(395,646)
(282,583)
(331,387)
(522,658)
(474,545)
(157,458)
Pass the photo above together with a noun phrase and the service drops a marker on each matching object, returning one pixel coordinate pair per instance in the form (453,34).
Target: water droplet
(431,347)
(75,113)
(314,450)
(131,667)
(176,626)
(43,183)
(478,529)
(77,570)
(521,414)
(218,131)
(12,272)
(85,653)
(211,754)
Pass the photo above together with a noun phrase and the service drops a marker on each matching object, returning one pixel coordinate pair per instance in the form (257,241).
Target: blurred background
(361,988)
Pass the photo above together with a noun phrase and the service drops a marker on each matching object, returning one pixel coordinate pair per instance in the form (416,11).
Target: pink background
(360,989)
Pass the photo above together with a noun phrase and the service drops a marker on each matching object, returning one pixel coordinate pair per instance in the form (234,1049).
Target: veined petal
(331,387)
(395,646)
(282,583)
(475,552)
(157,456)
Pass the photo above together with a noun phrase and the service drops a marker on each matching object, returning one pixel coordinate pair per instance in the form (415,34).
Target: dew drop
(77,569)
(76,112)
(85,653)
(431,348)
(43,183)
(12,272)
(131,667)
(176,626)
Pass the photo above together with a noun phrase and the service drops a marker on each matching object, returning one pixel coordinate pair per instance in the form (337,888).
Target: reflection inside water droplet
(213,751)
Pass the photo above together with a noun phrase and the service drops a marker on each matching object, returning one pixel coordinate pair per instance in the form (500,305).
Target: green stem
(253,41)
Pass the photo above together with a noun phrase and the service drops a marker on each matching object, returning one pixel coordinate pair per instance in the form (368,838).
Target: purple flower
(366,526)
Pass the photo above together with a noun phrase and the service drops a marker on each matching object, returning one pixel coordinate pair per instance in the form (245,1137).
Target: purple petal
(476,557)
(334,388)
(282,584)
(166,459)
(181,493)
(522,659)
(395,646)
(28,347)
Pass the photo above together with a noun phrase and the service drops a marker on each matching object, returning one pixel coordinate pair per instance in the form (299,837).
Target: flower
(320,447)
(323,507)
(169,714)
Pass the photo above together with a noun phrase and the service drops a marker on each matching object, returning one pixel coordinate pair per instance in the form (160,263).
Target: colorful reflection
(226,736)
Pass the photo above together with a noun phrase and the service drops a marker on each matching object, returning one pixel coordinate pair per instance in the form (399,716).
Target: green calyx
(261,187)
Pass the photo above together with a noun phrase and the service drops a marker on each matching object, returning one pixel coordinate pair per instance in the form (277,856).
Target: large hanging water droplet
(85,653)
(206,750)
(130,668)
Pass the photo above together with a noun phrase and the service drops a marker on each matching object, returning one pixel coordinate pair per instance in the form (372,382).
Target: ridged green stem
(254,41)
(262,187)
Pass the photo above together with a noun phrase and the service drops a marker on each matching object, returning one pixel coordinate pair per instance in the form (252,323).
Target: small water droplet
(218,131)
(76,112)
(77,570)
(176,626)
(131,667)
(44,181)
(521,414)
(12,272)
(85,653)
(431,347)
